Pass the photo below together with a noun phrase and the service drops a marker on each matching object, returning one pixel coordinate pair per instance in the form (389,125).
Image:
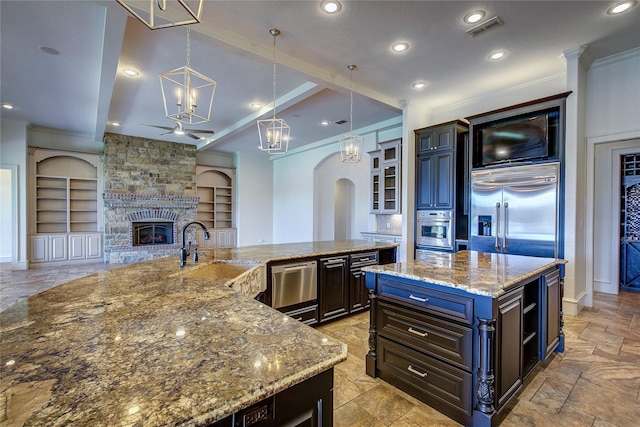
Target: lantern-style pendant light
(274,133)
(351,144)
(183,89)
(157,14)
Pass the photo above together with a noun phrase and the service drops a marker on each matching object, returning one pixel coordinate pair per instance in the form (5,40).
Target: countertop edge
(265,392)
(397,270)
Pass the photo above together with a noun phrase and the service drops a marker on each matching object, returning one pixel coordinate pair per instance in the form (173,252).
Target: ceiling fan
(179,130)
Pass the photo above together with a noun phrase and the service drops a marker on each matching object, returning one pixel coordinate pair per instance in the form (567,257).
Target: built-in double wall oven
(434,230)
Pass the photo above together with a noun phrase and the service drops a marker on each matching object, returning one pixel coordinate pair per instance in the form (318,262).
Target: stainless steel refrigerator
(515,210)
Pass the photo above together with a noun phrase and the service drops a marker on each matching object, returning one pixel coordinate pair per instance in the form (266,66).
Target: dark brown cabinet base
(308,404)
(342,288)
(333,287)
(465,354)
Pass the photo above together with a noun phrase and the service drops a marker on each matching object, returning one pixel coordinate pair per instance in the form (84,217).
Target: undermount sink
(214,270)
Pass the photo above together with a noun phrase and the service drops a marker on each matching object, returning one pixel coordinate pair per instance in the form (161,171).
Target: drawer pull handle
(413,297)
(416,332)
(418,373)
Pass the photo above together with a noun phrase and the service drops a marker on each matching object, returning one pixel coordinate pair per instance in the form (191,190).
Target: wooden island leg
(373,333)
(485,388)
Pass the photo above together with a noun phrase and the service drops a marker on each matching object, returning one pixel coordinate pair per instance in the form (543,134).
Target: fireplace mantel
(116,200)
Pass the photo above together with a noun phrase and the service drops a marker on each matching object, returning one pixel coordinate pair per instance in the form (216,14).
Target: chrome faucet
(184,251)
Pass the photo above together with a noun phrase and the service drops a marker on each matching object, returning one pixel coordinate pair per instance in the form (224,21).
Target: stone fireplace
(150,193)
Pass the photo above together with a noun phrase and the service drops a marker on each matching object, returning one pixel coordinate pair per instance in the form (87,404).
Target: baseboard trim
(22,265)
(572,306)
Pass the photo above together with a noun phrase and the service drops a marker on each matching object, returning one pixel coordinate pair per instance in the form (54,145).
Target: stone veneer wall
(148,167)
(146,176)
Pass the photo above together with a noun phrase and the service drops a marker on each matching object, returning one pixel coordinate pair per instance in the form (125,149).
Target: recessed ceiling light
(325,123)
(473,17)
(400,47)
(131,72)
(49,50)
(419,85)
(8,106)
(331,6)
(620,7)
(255,105)
(115,124)
(498,54)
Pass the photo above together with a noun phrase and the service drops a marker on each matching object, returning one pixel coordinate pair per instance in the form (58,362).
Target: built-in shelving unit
(215,188)
(215,208)
(65,222)
(66,205)
(530,326)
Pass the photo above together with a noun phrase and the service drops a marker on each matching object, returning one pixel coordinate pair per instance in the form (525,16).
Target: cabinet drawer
(442,386)
(450,306)
(307,315)
(366,257)
(446,340)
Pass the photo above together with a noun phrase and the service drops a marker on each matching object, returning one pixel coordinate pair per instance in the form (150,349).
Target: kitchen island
(150,344)
(461,331)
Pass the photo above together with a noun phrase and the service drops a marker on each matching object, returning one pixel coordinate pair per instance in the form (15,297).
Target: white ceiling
(82,89)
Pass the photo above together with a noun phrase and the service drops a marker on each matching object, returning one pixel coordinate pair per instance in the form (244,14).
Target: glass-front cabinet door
(391,195)
(390,175)
(385,177)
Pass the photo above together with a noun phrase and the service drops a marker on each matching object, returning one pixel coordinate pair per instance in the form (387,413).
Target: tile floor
(595,382)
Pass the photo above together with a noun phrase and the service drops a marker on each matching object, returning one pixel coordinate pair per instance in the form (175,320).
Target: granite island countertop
(149,344)
(480,273)
(285,251)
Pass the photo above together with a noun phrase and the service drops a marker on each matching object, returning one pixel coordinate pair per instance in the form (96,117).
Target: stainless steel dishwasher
(294,283)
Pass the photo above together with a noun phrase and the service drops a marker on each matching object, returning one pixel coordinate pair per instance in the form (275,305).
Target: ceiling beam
(316,71)
(113,35)
(290,98)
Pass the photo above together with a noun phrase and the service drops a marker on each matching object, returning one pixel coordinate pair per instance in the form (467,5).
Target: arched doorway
(344,209)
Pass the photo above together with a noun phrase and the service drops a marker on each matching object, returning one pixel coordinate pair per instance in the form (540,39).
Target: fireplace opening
(151,233)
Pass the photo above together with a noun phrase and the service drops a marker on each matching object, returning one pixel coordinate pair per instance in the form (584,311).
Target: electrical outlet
(388,225)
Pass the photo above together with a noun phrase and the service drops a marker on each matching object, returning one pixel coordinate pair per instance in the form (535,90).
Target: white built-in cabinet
(65,213)
(385,178)
(215,189)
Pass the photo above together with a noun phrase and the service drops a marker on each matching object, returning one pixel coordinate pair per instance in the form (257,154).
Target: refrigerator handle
(504,231)
(498,226)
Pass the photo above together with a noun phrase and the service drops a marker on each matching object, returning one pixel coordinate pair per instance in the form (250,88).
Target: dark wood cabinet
(358,292)
(442,172)
(509,346)
(435,138)
(464,354)
(359,296)
(434,174)
(552,328)
(308,404)
(333,287)
(306,313)
(341,285)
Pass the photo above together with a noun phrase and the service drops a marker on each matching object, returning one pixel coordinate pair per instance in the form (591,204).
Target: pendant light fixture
(157,14)
(351,144)
(274,133)
(183,89)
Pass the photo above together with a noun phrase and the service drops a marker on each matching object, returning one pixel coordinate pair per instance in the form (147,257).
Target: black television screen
(521,140)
